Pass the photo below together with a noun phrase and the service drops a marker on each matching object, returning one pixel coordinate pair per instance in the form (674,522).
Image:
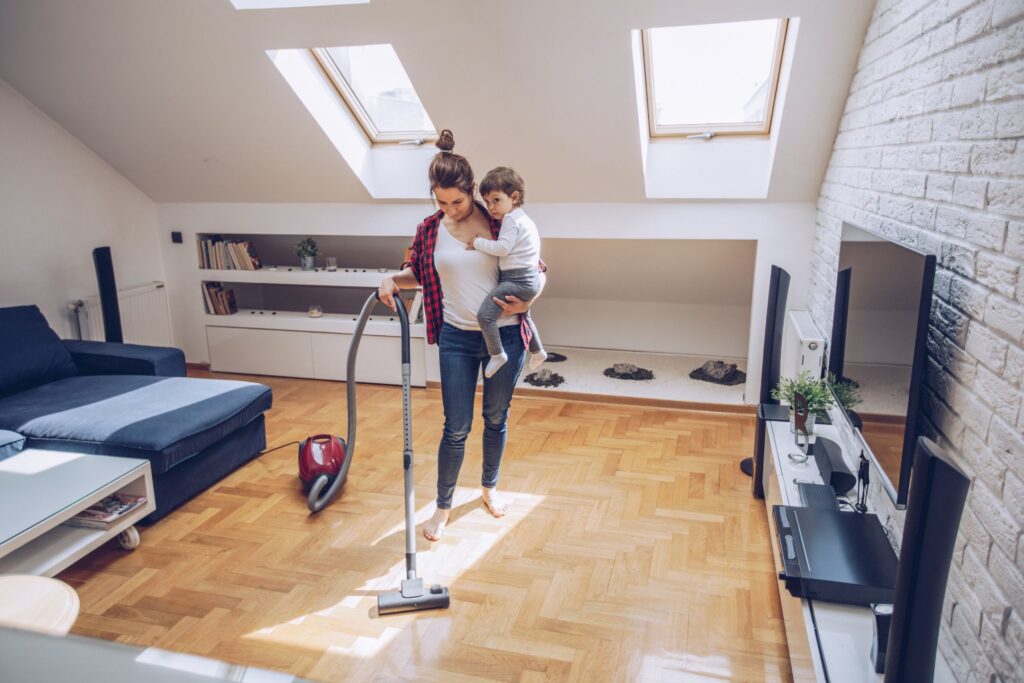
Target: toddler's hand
(469,246)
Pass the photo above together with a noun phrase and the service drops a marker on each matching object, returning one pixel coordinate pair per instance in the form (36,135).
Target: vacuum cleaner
(324,461)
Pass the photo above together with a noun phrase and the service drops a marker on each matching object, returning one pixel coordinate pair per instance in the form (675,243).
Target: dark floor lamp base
(747,466)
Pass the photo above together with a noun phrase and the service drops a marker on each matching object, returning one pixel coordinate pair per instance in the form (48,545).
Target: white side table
(37,603)
(40,489)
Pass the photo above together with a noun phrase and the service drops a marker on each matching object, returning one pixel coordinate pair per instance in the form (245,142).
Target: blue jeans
(463,355)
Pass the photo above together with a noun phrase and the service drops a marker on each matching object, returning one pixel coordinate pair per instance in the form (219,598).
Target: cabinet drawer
(260,352)
(379,361)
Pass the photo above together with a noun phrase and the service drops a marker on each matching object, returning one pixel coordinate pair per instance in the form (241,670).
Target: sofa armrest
(11,443)
(103,358)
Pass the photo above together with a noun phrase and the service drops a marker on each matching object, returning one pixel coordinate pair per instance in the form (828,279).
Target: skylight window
(713,78)
(373,82)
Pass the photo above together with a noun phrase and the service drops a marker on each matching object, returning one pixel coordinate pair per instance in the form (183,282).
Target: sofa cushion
(10,443)
(164,419)
(30,352)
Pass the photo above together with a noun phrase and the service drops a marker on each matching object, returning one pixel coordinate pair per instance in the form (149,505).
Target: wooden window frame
(761,128)
(349,97)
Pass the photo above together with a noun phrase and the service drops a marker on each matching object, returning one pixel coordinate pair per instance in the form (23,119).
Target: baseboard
(527,392)
(197,366)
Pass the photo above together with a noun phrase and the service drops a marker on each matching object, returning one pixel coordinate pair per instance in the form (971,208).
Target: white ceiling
(181,98)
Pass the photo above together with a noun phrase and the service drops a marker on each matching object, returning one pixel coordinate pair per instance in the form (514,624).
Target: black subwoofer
(104,263)
(938,490)
(771,360)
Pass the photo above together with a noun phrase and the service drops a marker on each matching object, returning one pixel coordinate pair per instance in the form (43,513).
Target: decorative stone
(719,372)
(628,371)
(544,378)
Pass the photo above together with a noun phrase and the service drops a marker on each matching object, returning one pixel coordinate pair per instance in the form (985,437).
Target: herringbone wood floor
(633,551)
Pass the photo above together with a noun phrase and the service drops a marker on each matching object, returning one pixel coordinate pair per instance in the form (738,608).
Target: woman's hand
(512,305)
(387,291)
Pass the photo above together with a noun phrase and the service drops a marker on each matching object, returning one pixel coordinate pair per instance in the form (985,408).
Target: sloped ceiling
(181,98)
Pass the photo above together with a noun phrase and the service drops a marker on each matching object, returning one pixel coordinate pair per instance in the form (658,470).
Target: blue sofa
(124,400)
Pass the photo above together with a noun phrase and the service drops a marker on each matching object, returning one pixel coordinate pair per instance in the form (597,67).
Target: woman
(455,282)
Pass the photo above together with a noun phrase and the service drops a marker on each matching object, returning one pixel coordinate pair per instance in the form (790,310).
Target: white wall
(718,331)
(929,154)
(58,201)
(782,231)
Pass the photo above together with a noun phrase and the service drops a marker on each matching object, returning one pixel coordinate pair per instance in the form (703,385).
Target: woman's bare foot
(497,503)
(433,530)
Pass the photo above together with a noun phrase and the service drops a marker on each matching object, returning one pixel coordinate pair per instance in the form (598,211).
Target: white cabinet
(260,352)
(379,361)
(272,333)
(316,355)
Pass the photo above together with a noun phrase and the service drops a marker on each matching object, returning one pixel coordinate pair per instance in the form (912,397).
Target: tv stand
(827,641)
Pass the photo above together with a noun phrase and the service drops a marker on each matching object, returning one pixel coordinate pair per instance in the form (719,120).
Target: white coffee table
(41,489)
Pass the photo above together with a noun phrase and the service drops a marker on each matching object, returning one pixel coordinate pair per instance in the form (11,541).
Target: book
(230,302)
(219,254)
(219,301)
(104,513)
(253,256)
(206,297)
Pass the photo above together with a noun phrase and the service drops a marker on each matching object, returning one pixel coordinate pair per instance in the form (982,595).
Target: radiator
(810,352)
(145,316)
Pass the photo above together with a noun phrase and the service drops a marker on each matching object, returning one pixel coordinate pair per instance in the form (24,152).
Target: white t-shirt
(467,278)
(518,243)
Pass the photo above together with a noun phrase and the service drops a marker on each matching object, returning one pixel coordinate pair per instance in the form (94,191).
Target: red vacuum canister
(322,454)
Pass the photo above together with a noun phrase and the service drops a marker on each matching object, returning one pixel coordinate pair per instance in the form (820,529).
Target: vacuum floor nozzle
(393,601)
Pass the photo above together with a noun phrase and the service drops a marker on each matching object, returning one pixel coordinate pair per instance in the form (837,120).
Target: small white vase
(811,418)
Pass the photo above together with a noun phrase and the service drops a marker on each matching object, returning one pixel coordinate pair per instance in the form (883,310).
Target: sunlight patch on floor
(472,534)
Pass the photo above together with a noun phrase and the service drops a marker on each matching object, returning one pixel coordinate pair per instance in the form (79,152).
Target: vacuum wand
(412,596)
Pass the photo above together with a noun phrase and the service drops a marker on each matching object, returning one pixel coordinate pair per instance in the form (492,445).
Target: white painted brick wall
(930,153)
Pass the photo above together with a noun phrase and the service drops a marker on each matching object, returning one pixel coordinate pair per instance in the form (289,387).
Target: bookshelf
(272,332)
(285,275)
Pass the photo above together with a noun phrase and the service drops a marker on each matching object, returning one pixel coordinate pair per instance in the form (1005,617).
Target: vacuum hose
(318,497)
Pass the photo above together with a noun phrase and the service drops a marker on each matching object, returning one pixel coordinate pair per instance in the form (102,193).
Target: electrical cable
(275,448)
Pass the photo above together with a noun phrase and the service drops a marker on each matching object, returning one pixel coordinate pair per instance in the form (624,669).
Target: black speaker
(775,322)
(829,458)
(771,361)
(108,294)
(837,349)
(938,489)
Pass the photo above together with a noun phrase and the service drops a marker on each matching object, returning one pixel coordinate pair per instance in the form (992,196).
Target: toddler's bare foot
(497,503)
(433,530)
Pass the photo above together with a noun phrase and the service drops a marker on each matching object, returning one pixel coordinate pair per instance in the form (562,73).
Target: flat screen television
(878,350)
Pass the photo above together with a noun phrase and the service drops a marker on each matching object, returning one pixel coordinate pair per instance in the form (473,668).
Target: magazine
(102,514)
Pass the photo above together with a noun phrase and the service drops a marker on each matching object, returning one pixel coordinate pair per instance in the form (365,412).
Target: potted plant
(307,250)
(846,392)
(815,390)
(847,395)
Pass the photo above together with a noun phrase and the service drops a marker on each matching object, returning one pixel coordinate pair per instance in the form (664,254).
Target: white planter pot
(810,422)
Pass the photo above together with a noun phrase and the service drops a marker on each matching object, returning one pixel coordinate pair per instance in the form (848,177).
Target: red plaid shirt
(421,262)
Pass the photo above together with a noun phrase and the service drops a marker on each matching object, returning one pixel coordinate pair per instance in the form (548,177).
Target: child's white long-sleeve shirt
(518,243)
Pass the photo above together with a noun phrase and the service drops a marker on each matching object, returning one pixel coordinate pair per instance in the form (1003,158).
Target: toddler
(518,252)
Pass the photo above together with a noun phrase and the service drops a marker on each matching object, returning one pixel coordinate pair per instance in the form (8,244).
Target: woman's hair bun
(445,141)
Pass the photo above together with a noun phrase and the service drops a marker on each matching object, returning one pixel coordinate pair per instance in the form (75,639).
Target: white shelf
(343,277)
(376,326)
(43,489)
(62,545)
